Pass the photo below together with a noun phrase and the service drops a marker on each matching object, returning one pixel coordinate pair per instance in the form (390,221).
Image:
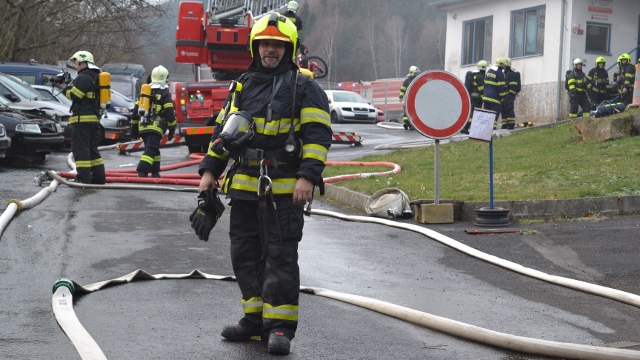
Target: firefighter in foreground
(413,72)
(494,89)
(276,126)
(474,82)
(599,80)
(85,119)
(152,116)
(512,83)
(578,86)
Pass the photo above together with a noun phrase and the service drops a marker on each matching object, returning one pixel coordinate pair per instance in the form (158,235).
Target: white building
(542,37)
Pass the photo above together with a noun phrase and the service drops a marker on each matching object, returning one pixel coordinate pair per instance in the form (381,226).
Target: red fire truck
(216,37)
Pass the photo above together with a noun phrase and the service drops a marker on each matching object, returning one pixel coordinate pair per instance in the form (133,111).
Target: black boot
(278,343)
(511,126)
(156,175)
(237,332)
(465,129)
(504,126)
(142,174)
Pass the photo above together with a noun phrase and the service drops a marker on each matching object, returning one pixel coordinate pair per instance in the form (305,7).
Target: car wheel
(334,118)
(196,149)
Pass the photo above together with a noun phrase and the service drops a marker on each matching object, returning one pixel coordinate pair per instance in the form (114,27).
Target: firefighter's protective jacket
(577,81)
(494,85)
(512,81)
(405,84)
(312,131)
(599,80)
(162,113)
(84,94)
(474,82)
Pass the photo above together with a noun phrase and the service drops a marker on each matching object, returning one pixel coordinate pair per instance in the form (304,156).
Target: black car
(32,137)
(5,141)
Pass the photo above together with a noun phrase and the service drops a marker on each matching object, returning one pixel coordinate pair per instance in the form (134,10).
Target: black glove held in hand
(172,131)
(206,215)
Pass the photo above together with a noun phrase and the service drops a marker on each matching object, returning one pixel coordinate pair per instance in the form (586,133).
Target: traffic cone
(636,88)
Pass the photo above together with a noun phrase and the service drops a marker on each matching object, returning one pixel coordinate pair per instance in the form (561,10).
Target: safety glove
(206,215)
(172,131)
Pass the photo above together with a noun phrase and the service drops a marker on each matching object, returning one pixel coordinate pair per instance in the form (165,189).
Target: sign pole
(491,174)
(436,190)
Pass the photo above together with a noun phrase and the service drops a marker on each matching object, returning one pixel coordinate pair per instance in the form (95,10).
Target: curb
(520,209)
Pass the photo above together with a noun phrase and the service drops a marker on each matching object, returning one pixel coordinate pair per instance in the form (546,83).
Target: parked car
(32,137)
(350,106)
(126,78)
(116,121)
(5,141)
(33,72)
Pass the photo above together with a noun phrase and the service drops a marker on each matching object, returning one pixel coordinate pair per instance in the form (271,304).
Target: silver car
(350,106)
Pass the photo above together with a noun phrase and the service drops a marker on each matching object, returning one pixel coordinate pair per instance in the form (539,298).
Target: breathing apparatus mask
(238,130)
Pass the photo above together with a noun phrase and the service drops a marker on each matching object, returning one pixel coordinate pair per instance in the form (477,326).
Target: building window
(477,40)
(598,38)
(527,32)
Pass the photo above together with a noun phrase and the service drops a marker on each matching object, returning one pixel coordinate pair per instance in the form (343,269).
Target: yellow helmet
(506,62)
(82,56)
(601,59)
(276,27)
(482,65)
(160,75)
(500,61)
(625,56)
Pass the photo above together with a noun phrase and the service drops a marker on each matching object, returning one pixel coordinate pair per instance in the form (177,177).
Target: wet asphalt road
(94,235)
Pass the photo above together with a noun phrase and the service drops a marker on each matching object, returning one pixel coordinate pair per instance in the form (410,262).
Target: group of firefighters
(587,91)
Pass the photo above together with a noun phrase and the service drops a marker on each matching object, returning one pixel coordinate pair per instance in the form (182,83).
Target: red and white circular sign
(437,104)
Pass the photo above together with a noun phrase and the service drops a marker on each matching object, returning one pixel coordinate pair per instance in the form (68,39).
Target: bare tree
(112,30)
(371,40)
(432,43)
(395,42)
(327,40)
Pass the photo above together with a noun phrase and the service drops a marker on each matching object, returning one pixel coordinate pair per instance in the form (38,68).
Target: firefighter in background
(494,89)
(413,72)
(278,163)
(578,86)
(85,119)
(513,85)
(627,79)
(599,80)
(474,82)
(290,12)
(152,127)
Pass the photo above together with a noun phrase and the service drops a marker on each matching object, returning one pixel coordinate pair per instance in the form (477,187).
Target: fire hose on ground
(62,300)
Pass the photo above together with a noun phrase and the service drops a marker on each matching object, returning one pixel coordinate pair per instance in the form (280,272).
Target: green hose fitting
(64,282)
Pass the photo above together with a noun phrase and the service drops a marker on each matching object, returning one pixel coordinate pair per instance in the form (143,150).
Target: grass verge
(537,163)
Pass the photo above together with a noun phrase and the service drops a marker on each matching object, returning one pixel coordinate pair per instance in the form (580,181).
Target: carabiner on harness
(264,178)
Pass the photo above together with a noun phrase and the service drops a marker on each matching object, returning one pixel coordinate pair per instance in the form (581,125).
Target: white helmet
(413,70)
(577,61)
(159,75)
(82,56)
(292,6)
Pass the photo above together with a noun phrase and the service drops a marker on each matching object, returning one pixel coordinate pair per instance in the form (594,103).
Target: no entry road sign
(437,104)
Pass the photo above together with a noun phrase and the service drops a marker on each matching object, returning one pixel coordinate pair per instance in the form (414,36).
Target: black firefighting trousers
(150,159)
(580,99)
(270,285)
(84,145)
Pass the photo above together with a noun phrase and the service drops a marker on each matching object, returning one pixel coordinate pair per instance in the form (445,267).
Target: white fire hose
(62,300)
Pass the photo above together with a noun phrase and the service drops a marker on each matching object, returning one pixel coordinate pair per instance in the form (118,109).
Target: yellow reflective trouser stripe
(314,151)
(86,164)
(309,115)
(83,119)
(484,98)
(146,158)
(250,183)
(252,305)
(83,164)
(282,312)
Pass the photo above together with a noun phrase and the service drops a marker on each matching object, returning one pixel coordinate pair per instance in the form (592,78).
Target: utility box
(435,214)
